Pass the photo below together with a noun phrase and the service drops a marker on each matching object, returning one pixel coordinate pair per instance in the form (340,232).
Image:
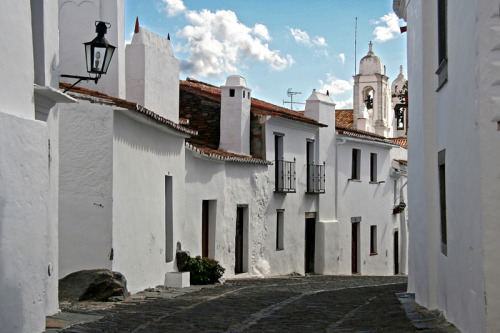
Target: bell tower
(371,96)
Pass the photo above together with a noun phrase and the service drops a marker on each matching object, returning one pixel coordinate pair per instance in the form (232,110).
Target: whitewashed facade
(121,203)
(454,176)
(28,164)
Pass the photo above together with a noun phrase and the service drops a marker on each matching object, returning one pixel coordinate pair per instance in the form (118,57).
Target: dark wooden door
(310,244)
(396,252)
(238,251)
(354,248)
(204,229)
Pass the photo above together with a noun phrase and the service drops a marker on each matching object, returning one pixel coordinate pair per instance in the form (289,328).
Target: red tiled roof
(349,131)
(224,155)
(97,97)
(403,142)
(257,107)
(344,118)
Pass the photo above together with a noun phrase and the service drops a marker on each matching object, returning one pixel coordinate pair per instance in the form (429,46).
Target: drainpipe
(339,142)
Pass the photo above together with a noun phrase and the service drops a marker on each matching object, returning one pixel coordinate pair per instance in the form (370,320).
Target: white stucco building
(121,203)
(29,164)
(454,177)
(262,210)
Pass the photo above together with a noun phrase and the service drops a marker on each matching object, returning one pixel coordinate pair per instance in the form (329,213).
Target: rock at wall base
(93,284)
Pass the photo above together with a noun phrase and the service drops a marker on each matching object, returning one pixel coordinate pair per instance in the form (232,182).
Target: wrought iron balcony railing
(285,176)
(316,178)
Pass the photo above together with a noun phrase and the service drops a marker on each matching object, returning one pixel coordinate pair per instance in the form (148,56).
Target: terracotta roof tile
(224,155)
(257,107)
(97,97)
(403,142)
(344,117)
(349,131)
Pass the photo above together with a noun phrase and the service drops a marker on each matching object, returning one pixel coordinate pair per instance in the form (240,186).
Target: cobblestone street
(284,304)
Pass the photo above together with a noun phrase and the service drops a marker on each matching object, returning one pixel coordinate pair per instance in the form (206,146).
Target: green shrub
(204,270)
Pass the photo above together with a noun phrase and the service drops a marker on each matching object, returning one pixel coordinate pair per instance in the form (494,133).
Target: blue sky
(275,44)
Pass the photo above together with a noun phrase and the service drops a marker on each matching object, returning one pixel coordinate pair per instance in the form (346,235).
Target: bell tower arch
(371,96)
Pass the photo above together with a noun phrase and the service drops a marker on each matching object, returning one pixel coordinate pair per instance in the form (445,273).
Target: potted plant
(399,208)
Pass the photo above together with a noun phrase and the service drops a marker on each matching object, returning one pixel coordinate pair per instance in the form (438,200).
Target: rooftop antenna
(290,94)
(355,39)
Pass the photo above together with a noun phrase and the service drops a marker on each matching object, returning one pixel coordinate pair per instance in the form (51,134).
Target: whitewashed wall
(28,216)
(85,187)
(295,205)
(205,180)
(463,120)
(143,154)
(372,202)
(24,224)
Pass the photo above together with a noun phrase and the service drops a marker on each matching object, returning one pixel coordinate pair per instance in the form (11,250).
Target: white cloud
(342,57)
(261,31)
(337,87)
(319,41)
(218,43)
(302,37)
(174,7)
(345,104)
(389,28)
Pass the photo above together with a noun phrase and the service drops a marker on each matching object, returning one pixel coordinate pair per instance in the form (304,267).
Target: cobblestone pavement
(284,304)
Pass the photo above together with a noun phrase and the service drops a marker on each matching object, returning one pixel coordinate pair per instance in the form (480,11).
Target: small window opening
(248,95)
(373,167)
(231,92)
(373,239)
(243,93)
(356,158)
(280,229)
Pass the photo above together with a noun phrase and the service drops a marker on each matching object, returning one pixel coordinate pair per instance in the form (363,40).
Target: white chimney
(235,116)
(153,73)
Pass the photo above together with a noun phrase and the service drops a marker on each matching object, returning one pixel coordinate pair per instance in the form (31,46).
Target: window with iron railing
(316,178)
(285,176)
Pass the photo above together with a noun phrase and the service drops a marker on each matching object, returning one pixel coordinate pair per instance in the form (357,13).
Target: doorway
(396,252)
(355,248)
(204,228)
(310,244)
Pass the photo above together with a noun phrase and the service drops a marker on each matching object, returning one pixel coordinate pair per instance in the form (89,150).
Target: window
(373,240)
(442,199)
(373,167)
(356,161)
(248,95)
(231,92)
(442,71)
(243,93)
(315,172)
(284,170)
(280,221)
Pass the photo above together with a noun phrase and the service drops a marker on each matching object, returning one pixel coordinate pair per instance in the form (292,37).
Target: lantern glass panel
(88,57)
(109,54)
(98,59)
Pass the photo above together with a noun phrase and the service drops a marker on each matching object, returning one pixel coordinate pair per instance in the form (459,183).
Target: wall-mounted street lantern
(98,54)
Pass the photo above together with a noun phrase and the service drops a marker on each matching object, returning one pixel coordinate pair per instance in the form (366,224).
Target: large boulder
(93,284)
